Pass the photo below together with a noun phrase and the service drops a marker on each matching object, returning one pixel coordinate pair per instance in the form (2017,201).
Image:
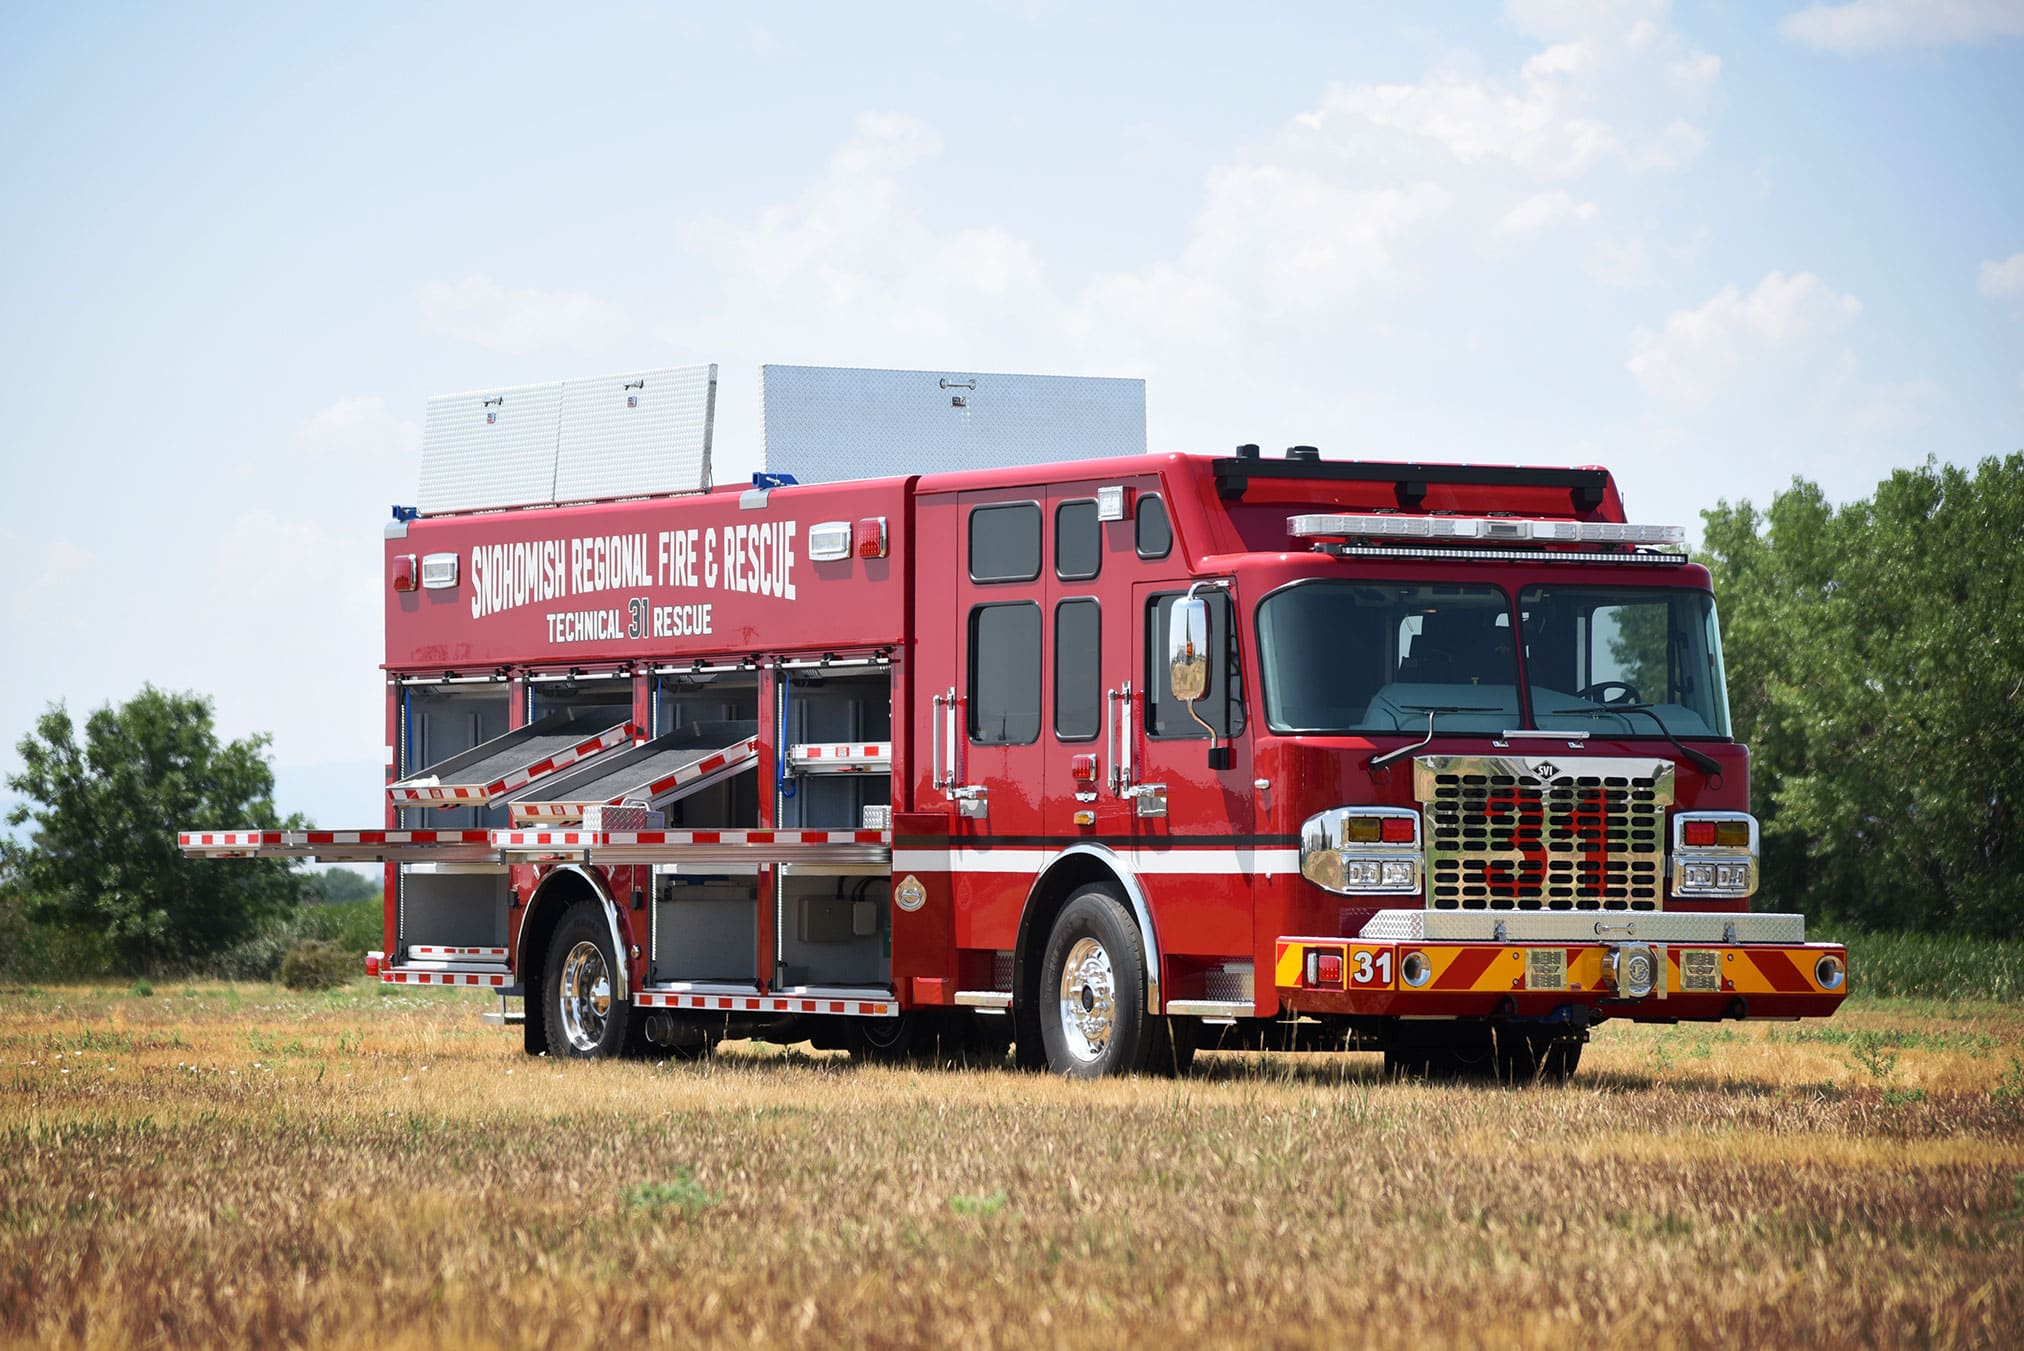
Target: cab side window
(1005,674)
(1005,542)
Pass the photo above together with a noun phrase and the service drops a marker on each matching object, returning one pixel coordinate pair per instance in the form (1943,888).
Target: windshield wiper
(1706,763)
(1432,711)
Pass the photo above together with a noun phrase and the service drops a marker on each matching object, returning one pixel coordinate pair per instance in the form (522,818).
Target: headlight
(1714,854)
(1369,851)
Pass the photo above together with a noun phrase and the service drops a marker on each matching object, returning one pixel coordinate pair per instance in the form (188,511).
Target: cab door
(999,750)
(1193,822)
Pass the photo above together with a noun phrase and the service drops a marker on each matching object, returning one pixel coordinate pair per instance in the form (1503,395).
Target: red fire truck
(1103,760)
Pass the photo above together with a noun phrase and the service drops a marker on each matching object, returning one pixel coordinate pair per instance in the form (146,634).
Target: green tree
(1876,662)
(102,858)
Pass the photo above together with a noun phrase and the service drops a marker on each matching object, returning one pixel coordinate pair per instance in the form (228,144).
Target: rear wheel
(584,1018)
(1536,1055)
(1092,1006)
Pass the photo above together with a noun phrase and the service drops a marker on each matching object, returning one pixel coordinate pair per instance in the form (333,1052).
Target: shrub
(314,964)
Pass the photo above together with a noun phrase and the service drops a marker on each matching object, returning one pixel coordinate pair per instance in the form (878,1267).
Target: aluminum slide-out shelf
(701,846)
(857,757)
(506,764)
(660,771)
(344,846)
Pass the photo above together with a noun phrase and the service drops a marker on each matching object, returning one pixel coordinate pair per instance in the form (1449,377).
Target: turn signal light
(1082,768)
(870,536)
(1328,971)
(405,576)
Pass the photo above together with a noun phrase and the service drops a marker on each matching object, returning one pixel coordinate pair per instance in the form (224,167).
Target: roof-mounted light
(1483,529)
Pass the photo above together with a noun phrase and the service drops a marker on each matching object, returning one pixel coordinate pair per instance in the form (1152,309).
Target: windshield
(1617,661)
(1383,656)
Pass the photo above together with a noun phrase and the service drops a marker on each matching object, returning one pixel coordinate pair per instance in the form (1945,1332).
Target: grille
(1508,833)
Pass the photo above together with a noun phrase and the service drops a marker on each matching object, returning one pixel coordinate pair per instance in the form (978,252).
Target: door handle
(1118,737)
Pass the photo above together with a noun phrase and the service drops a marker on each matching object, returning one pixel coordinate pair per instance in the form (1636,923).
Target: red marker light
(1328,971)
(870,537)
(1082,768)
(1699,833)
(406,578)
(1397,830)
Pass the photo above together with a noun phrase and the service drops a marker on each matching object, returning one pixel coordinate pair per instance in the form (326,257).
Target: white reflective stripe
(1164,862)
(763,1003)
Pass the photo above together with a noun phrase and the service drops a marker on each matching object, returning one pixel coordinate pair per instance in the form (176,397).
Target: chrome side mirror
(1188,649)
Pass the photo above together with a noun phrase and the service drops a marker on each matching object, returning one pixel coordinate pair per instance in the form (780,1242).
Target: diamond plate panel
(825,424)
(569,441)
(490,448)
(632,435)
(1674,926)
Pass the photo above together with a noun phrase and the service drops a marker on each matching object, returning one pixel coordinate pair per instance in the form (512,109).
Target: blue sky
(1712,245)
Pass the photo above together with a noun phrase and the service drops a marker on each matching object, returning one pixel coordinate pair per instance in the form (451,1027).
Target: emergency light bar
(1487,529)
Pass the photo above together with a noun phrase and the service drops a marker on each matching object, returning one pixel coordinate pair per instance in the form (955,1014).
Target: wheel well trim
(1135,896)
(602,891)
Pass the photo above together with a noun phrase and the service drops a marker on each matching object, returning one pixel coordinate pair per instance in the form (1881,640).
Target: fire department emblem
(910,895)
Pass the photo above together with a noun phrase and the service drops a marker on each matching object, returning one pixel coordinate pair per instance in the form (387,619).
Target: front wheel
(1092,1005)
(585,1018)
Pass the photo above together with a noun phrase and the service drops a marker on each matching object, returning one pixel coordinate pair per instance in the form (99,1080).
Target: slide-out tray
(343,846)
(666,768)
(506,764)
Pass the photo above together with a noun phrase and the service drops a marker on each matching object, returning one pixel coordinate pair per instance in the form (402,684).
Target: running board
(1209,1010)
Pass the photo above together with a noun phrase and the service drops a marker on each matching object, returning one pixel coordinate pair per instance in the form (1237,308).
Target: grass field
(241,1165)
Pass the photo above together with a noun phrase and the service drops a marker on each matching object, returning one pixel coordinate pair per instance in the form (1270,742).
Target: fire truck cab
(1103,760)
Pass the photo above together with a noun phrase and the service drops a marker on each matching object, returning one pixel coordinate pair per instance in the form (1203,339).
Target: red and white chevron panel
(742,755)
(765,1003)
(820,758)
(229,843)
(423,952)
(519,840)
(702,769)
(403,976)
(466,794)
(341,846)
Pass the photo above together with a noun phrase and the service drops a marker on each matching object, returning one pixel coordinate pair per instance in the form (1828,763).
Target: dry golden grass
(219,1166)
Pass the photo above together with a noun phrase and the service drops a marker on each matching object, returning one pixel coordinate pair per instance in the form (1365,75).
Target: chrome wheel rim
(1088,1000)
(584,998)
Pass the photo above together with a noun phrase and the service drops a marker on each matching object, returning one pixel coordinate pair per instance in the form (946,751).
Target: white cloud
(319,635)
(1747,389)
(1879,25)
(48,578)
(480,310)
(2004,278)
(851,265)
(1700,352)
(361,435)
(1545,211)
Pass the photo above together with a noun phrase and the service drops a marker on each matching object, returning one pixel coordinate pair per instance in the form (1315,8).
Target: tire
(886,1041)
(581,1014)
(1092,998)
(927,1037)
(1462,1051)
(1530,1055)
